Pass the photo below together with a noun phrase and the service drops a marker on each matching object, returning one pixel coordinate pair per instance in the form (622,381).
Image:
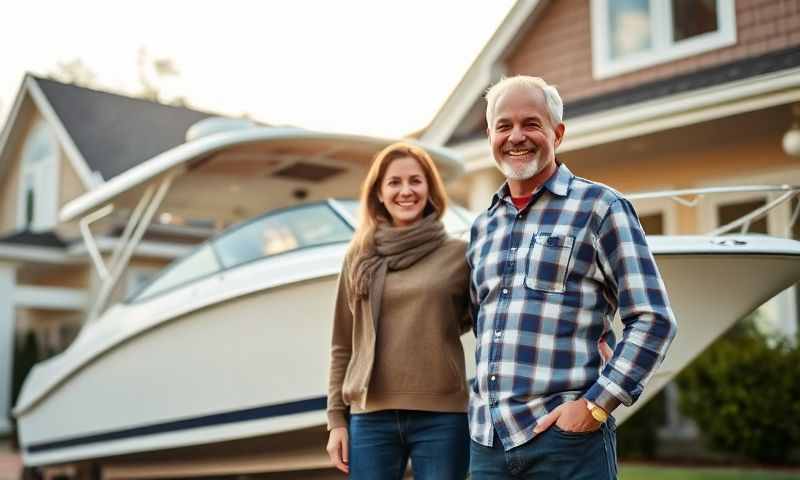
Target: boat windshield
(273,233)
(456,219)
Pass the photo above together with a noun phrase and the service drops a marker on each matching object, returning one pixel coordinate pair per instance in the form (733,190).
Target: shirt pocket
(548,262)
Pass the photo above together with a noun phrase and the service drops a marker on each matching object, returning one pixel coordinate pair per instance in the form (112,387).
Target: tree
(153,72)
(74,71)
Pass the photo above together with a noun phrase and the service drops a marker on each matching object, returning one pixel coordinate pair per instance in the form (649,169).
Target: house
(658,95)
(59,142)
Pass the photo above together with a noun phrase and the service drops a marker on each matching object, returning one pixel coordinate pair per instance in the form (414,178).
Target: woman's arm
(341,350)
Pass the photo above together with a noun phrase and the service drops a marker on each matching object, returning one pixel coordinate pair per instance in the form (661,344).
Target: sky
(379,67)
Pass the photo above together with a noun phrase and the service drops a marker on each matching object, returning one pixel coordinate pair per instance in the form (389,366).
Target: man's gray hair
(554,103)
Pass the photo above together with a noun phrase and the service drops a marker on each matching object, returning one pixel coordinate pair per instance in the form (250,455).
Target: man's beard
(524,172)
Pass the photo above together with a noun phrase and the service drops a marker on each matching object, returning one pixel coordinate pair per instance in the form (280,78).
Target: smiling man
(553,259)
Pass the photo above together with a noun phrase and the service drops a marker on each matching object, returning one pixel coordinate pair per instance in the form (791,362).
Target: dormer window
(628,35)
(37,200)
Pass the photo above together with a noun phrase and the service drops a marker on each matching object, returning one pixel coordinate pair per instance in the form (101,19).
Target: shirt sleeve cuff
(602,397)
(336,419)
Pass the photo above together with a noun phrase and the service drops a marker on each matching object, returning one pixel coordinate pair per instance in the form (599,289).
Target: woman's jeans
(382,442)
(553,454)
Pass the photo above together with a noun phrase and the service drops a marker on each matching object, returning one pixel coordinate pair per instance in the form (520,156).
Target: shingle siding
(558,47)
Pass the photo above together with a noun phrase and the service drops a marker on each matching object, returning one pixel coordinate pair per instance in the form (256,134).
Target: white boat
(230,341)
(228,347)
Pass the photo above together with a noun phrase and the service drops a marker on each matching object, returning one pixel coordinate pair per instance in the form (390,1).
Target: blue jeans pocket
(567,433)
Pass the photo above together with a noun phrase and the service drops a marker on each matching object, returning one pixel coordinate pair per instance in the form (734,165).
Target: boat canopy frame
(132,235)
(157,175)
(743,223)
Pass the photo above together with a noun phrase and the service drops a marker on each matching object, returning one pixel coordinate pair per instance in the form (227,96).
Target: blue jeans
(553,454)
(382,442)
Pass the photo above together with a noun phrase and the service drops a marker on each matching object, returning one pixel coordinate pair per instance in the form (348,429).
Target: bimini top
(289,164)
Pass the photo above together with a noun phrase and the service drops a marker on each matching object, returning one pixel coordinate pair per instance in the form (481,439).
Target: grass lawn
(641,472)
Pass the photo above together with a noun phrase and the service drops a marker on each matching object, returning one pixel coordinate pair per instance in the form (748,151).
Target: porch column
(7,322)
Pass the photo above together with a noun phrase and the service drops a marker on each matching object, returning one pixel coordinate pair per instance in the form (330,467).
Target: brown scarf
(393,248)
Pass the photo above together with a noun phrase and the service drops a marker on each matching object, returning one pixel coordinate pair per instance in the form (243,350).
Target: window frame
(44,176)
(138,297)
(664,49)
(659,206)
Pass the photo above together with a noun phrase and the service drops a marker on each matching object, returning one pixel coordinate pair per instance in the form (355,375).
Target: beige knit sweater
(414,361)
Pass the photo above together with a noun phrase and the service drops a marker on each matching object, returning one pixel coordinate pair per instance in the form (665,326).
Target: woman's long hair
(374,212)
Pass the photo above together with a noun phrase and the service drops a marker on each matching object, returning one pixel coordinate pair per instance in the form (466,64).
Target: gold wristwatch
(597,413)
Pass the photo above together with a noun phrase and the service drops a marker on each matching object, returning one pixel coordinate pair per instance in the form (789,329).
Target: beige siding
(70,187)
(558,46)
(9,182)
(71,276)
(684,169)
(9,186)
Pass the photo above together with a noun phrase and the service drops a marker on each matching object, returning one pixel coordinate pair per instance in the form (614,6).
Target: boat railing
(692,197)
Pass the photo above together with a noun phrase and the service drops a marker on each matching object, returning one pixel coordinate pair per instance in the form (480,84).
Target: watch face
(599,415)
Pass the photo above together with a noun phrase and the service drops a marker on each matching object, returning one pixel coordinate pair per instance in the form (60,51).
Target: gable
(25,122)
(9,187)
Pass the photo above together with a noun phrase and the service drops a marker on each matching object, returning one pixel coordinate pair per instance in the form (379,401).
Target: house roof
(113,132)
(33,239)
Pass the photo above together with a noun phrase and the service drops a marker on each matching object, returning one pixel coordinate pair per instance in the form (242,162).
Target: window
(271,234)
(653,224)
(139,278)
(281,232)
(730,212)
(631,34)
(200,263)
(37,201)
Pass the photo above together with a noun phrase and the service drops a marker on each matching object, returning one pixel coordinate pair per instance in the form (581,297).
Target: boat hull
(256,364)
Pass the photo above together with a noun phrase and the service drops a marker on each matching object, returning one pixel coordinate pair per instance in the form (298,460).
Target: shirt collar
(558,184)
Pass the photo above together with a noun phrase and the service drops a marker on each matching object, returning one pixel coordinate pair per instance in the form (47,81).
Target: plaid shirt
(546,283)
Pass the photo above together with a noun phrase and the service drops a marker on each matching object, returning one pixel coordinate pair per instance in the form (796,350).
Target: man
(553,258)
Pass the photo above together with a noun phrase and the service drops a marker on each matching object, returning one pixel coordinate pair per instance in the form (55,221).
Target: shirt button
(505,291)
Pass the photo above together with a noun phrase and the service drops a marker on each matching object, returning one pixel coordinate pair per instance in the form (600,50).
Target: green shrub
(744,394)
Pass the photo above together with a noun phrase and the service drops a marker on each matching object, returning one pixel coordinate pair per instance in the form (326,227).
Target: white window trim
(666,207)
(46,191)
(664,50)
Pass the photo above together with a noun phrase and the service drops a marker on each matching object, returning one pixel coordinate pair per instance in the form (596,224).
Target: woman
(397,363)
